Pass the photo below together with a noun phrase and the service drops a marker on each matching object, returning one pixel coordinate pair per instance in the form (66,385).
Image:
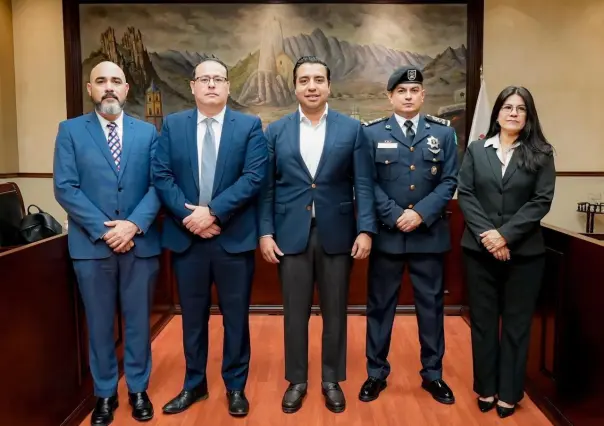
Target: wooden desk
(565,367)
(44,358)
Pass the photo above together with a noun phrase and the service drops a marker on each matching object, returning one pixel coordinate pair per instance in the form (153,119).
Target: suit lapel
(494,163)
(512,166)
(224,147)
(331,132)
(191,144)
(127,140)
(396,131)
(294,138)
(94,128)
(422,130)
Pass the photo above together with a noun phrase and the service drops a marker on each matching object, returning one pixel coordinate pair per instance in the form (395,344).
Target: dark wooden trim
(580,174)
(274,1)
(547,407)
(474,58)
(26,175)
(315,310)
(73,57)
(49,175)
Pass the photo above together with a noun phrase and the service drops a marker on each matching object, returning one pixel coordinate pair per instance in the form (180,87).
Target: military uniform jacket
(418,174)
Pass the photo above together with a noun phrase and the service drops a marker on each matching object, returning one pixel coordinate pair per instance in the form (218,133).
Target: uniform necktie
(115,147)
(409,133)
(208,164)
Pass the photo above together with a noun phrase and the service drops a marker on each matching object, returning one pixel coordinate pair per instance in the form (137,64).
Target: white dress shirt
(119,128)
(504,158)
(401,122)
(201,132)
(312,140)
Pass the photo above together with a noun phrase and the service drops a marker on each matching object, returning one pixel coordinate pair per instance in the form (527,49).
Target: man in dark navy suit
(319,162)
(208,170)
(416,167)
(102,178)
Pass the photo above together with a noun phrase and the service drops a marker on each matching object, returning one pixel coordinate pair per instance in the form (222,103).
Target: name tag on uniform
(390,145)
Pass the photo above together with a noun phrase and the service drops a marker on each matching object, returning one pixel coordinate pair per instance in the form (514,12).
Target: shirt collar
(118,121)
(305,118)
(218,117)
(401,121)
(496,143)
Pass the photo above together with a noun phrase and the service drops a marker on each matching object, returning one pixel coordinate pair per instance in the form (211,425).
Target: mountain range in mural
(262,82)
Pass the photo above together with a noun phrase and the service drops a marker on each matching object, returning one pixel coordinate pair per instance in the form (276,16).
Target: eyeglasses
(206,80)
(520,109)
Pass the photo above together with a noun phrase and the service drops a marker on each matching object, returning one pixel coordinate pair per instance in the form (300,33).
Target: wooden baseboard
(315,310)
(546,406)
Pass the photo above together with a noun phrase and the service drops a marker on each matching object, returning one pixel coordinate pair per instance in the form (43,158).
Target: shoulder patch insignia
(438,120)
(377,120)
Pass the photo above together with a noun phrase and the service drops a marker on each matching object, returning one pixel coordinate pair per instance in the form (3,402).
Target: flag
(482,115)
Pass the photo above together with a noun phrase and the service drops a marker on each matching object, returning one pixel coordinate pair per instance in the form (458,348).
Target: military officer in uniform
(416,176)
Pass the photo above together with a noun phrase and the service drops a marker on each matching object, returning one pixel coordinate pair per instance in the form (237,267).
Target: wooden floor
(402,403)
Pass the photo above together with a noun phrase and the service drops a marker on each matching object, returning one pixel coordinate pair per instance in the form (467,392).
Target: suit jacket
(89,187)
(240,170)
(418,174)
(290,190)
(513,204)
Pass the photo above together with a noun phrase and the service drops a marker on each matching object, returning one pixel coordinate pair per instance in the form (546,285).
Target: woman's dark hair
(534,148)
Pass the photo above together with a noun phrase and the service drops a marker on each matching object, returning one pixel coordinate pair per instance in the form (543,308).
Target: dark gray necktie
(409,133)
(208,164)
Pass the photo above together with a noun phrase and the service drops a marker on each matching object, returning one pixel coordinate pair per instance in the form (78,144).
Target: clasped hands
(408,221)
(200,222)
(119,237)
(495,244)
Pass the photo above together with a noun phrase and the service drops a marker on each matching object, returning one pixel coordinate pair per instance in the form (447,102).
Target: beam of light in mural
(158,45)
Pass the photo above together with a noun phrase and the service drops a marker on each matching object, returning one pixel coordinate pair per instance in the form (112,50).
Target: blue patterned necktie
(208,164)
(114,144)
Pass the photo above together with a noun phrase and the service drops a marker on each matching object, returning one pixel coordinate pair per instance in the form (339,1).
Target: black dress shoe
(238,404)
(371,389)
(186,398)
(293,397)
(334,397)
(486,406)
(142,409)
(103,411)
(439,391)
(504,412)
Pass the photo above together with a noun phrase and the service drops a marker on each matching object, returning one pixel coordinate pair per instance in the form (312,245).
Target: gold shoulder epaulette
(438,120)
(377,120)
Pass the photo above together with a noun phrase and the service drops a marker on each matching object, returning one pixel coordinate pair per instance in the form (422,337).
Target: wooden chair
(12,211)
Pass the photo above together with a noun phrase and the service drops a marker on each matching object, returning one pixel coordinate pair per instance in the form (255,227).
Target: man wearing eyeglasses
(208,170)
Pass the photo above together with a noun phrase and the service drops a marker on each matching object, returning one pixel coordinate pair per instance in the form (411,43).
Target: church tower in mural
(153,106)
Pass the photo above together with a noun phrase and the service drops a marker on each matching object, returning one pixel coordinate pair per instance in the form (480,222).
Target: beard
(109,108)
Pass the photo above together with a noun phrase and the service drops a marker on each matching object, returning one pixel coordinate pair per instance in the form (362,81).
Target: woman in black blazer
(506,186)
